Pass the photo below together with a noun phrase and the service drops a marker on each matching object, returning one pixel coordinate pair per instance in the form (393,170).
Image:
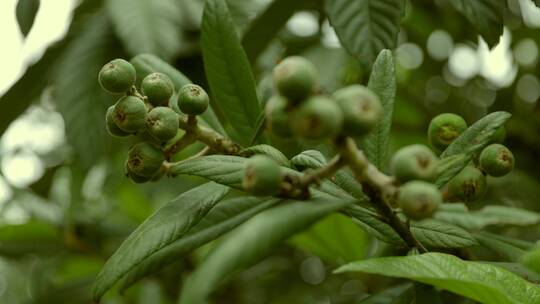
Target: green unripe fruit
(361,109)
(468,185)
(444,129)
(130,114)
(295,78)
(496,160)
(158,88)
(419,199)
(144,159)
(111,126)
(262,176)
(117,76)
(277,116)
(162,123)
(317,118)
(192,99)
(414,162)
(136,178)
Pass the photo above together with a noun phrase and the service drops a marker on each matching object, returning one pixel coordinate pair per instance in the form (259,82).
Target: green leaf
(168,224)
(335,238)
(311,159)
(471,142)
(510,249)
(223,169)
(458,213)
(399,294)
(252,241)
(437,234)
(373,224)
(33,237)
(224,217)
(485,15)
(365,27)
(228,71)
(269,151)
(78,95)
(147,26)
(147,63)
(26,14)
(383,83)
(481,282)
(518,269)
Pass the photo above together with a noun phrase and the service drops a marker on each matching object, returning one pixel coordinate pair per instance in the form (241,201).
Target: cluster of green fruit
(152,115)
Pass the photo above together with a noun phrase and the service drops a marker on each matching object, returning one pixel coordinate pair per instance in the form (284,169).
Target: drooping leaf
(226,170)
(458,214)
(311,159)
(399,294)
(147,63)
(373,224)
(519,269)
(437,234)
(485,15)
(510,249)
(224,217)
(471,142)
(146,26)
(269,151)
(252,241)
(26,13)
(383,83)
(228,71)
(365,27)
(168,224)
(481,282)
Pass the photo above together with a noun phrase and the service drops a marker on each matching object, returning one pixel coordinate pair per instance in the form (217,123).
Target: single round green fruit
(192,99)
(130,114)
(444,129)
(414,162)
(117,76)
(134,177)
(419,199)
(111,126)
(162,123)
(144,159)
(361,109)
(158,88)
(318,117)
(295,78)
(277,116)
(496,160)
(468,185)
(262,176)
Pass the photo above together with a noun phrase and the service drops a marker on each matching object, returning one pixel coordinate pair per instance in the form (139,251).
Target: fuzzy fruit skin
(496,160)
(144,159)
(444,129)
(158,87)
(361,109)
(111,126)
(262,176)
(134,177)
(130,114)
(419,199)
(192,99)
(318,117)
(414,162)
(468,185)
(295,78)
(117,76)
(277,116)
(162,123)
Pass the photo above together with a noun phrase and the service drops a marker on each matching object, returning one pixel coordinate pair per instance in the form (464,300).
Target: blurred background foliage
(65,205)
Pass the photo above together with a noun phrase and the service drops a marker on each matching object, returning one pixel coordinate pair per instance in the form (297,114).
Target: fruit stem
(380,188)
(321,173)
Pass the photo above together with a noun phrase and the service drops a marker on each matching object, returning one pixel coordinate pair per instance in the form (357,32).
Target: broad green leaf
(78,95)
(33,237)
(168,224)
(459,214)
(519,269)
(365,27)
(485,15)
(26,13)
(449,167)
(223,169)
(335,238)
(437,234)
(269,151)
(311,159)
(146,26)
(224,217)
(481,282)
(383,83)
(471,142)
(510,249)
(148,63)
(252,241)
(374,225)
(228,71)
(399,294)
